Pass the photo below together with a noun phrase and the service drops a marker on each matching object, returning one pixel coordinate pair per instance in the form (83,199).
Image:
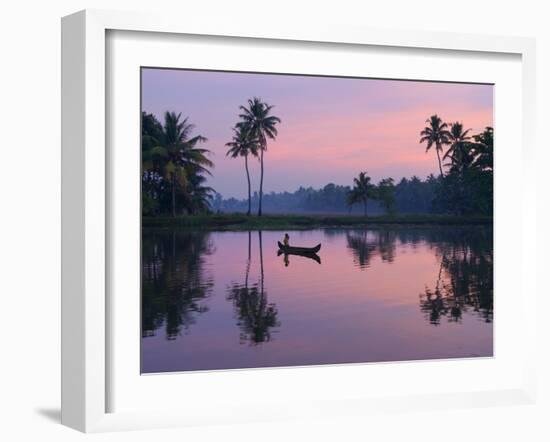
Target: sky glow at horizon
(332,128)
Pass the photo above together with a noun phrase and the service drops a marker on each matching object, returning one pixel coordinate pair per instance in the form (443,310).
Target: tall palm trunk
(248,179)
(261,262)
(437,147)
(365,207)
(261,180)
(173,195)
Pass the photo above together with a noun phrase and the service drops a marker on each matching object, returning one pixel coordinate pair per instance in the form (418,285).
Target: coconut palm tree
(483,149)
(459,147)
(197,197)
(435,134)
(177,155)
(261,125)
(385,193)
(151,134)
(362,190)
(242,145)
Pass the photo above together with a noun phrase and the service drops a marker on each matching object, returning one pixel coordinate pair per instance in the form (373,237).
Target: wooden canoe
(290,249)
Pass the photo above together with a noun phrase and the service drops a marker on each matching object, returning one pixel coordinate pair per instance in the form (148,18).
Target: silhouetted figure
(286,240)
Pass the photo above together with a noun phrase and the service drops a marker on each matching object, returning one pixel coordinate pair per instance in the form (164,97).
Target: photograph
(292,220)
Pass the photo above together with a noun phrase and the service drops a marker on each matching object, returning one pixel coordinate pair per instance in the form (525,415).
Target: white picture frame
(86,352)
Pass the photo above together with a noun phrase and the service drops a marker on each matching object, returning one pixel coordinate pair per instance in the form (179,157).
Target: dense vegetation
(174,168)
(175,171)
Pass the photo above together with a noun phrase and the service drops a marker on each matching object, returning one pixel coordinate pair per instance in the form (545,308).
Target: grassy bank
(294,222)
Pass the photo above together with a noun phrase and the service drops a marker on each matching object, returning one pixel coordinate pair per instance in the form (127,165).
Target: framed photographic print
(315,261)
(276,223)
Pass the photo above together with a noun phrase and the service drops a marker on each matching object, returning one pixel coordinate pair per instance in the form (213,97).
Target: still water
(219,300)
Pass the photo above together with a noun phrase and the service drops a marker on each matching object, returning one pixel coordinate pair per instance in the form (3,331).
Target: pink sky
(332,128)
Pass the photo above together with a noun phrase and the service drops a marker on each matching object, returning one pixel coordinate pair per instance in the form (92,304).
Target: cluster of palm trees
(250,135)
(463,150)
(174,166)
(467,187)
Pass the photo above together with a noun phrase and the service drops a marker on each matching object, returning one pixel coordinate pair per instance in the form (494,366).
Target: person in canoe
(286,240)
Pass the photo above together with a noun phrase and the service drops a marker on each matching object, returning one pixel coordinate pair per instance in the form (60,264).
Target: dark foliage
(174,283)
(467,188)
(173,167)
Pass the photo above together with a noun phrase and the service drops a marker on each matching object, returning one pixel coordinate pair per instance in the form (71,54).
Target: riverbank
(296,222)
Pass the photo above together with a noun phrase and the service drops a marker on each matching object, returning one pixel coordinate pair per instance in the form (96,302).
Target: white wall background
(30,214)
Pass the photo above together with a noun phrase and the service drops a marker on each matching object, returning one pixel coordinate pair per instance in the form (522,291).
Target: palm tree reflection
(364,245)
(465,280)
(174,283)
(256,317)
(465,277)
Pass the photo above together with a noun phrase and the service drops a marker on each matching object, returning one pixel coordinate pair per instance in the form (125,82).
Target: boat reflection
(286,259)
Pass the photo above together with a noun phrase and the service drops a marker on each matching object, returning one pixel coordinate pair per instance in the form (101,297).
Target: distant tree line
(407,196)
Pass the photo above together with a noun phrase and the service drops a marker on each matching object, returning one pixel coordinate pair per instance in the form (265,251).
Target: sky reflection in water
(219,300)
